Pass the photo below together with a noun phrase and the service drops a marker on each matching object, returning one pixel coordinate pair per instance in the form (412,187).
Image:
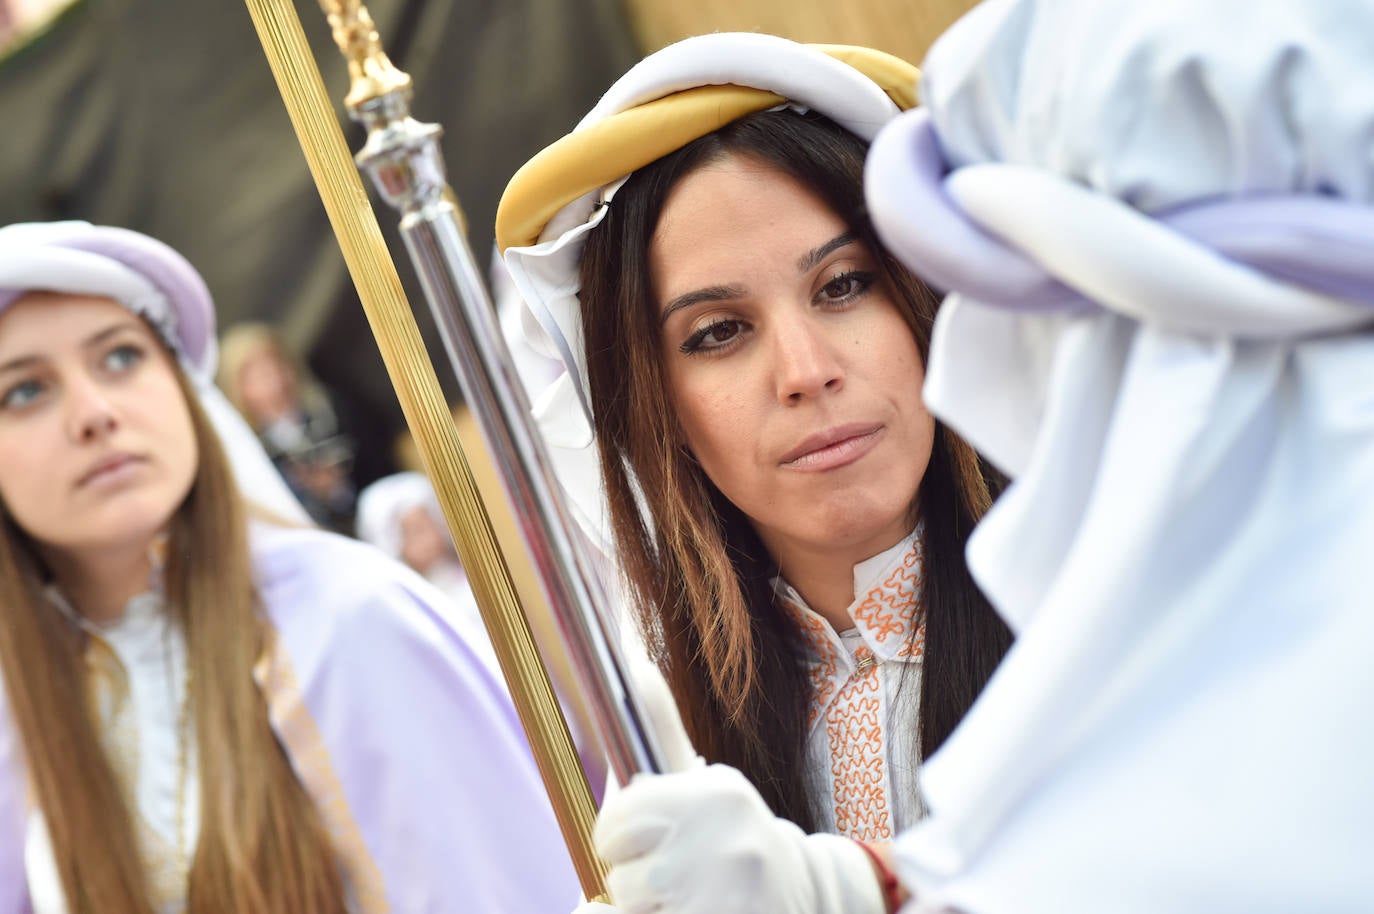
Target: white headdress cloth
(1183,723)
(157,283)
(546,273)
(383,503)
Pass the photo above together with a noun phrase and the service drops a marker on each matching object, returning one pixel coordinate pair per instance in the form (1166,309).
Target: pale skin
(97,449)
(795,378)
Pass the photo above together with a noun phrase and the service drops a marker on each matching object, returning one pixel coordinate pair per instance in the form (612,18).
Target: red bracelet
(892,889)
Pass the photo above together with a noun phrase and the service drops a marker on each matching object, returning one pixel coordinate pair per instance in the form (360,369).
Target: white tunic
(863,749)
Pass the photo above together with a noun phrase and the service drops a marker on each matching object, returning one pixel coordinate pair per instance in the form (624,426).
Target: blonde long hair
(261,846)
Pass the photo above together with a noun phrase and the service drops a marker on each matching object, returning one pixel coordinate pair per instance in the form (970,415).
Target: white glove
(704,842)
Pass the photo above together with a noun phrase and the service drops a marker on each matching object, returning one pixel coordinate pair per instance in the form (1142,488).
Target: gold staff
(380,96)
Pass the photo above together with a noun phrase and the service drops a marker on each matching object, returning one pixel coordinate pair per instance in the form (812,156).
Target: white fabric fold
(1183,554)
(1161,103)
(1127,262)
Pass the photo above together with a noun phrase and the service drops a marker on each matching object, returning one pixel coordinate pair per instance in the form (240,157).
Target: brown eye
(715,335)
(840,286)
(846,286)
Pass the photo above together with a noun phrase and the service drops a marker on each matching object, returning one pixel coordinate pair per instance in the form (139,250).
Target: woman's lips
(111,470)
(833,448)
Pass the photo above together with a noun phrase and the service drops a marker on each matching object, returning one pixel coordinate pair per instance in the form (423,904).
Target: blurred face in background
(423,541)
(266,386)
(97,448)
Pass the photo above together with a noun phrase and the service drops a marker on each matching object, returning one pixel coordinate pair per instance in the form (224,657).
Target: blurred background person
(400,515)
(293,417)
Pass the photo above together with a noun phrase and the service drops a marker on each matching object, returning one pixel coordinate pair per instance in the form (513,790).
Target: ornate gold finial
(370,71)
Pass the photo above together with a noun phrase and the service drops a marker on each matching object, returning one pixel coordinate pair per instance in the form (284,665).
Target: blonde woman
(205,710)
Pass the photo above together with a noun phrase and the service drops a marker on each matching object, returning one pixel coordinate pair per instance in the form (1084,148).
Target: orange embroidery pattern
(853,704)
(292,721)
(824,669)
(854,726)
(893,606)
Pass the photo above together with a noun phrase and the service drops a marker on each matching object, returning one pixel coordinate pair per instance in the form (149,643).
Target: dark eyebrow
(710,293)
(93,340)
(809,262)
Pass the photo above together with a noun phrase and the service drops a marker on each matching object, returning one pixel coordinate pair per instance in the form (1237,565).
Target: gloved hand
(702,841)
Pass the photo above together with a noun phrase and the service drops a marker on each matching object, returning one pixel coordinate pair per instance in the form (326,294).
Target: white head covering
(155,282)
(382,504)
(1157,222)
(855,87)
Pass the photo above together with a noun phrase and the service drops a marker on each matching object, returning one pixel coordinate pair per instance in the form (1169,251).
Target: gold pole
(417,388)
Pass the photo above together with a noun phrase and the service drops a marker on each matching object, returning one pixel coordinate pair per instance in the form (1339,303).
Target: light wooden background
(902,27)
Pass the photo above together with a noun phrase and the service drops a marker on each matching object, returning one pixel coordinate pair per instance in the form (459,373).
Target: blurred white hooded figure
(1156,225)
(400,515)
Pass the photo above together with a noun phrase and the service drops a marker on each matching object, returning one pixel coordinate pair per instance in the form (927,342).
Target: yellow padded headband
(610,149)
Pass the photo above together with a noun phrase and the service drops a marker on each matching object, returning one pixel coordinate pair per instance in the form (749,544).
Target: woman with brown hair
(790,518)
(206,709)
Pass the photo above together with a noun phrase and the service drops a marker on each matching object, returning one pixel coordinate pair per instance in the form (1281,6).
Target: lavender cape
(401,732)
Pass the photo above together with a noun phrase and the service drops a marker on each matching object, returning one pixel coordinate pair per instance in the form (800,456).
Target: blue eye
(123,357)
(21,395)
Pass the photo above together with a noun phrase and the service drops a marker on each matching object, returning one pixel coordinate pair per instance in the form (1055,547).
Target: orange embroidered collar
(888,611)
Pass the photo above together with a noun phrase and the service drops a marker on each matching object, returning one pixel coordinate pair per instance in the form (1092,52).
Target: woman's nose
(90,412)
(806,359)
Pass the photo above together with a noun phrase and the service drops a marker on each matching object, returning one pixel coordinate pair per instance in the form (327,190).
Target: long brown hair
(261,846)
(699,574)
